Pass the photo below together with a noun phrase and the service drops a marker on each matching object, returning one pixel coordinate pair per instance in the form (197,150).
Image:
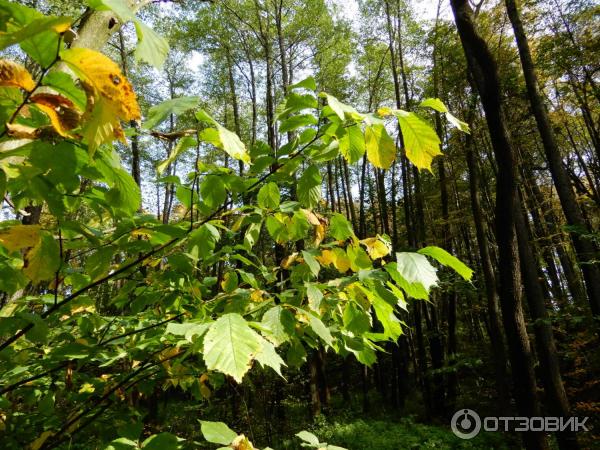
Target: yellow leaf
(106,78)
(61,111)
(42,261)
(242,443)
(289,260)
(35,445)
(326,258)
(15,75)
(319,233)
(20,236)
(342,262)
(420,139)
(381,149)
(110,96)
(376,248)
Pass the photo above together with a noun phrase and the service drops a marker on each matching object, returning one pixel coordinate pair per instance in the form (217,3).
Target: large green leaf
(446,259)
(151,47)
(309,187)
(415,268)
(381,149)
(203,240)
(339,227)
(224,139)
(352,144)
(213,192)
(280,324)
(294,122)
(421,142)
(230,345)
(176,106)
(268,196)
(217,432)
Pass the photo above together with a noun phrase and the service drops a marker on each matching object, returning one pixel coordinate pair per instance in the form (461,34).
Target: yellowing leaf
(376,248)
(60,110)
(43,260)
(19,237)
(420,139)
(381,149)
(110,95)
(18,131)
(15,75)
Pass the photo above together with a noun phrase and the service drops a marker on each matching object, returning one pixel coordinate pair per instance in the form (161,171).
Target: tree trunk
(584,248)
(485,74)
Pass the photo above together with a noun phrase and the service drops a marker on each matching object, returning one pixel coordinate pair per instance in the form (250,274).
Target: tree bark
(485,74)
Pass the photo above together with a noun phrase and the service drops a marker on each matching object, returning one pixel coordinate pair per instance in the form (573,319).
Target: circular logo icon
(466,423)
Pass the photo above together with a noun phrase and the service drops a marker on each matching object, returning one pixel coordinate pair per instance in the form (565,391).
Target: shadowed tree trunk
(485,75)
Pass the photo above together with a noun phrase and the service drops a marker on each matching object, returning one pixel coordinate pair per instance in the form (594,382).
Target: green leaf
(222,138)
(268,196)
(203,240)
(307,436)
(124,194)
(446,259)
(381,149)
(415,268)
(314,295)
(414,290)
(352,144)
(320,329)
(296,102)
(35,33)
(230,345)
(294,122)
(438,105)
(308,83)
(434,103)
(356,320)
(217,432)
(65,85)
(277,229)
(392,329)
(341,109)
(98,263)
(183,144)
(312,262)
(151,47)
(213,192)
(162,441)
(187,329)
(268,357)
(280,324)
(358,258)
(340,228)
(176,106)
(309,187)
(420,140)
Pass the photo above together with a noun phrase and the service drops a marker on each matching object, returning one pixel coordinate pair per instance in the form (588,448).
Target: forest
(286,224)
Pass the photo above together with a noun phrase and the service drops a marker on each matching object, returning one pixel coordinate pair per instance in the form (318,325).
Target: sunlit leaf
(381,149)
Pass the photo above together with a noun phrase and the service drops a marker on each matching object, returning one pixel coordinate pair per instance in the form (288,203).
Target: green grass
(359,434)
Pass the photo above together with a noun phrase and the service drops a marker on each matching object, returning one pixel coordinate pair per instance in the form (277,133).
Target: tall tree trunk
(485,74)
(585,250)
(546,348)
